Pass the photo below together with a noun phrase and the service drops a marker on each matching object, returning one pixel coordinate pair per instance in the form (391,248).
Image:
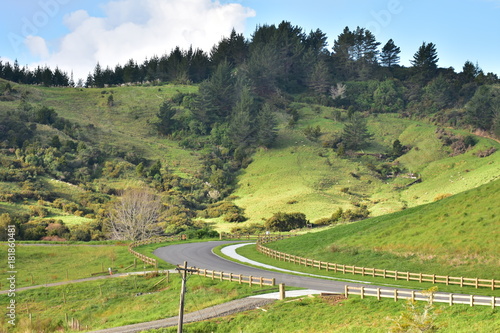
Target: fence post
(346,291)
(471,300)
(378,294)
(282,291)
(451,299)
(493,302)
(395,295)
(362,292)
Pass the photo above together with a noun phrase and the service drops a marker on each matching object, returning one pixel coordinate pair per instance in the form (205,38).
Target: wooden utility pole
(183,271)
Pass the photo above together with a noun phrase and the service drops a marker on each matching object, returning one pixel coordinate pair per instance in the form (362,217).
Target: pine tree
(390,54)
(355,133)
(241,127)
(266,126)
(167,124)
(425,60)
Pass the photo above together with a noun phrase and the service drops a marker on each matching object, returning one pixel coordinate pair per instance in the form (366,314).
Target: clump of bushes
(349,215)
(230,211)
(286,221)
(252,229)
(458,144)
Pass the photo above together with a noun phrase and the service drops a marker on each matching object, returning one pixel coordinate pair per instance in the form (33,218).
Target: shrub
(232,212)
(442,196)
(356,214)
(201,233)
(286,221)
(323,222)
(38,211)
(252,228)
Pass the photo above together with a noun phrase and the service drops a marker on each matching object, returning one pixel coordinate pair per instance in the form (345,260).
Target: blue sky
(75,34)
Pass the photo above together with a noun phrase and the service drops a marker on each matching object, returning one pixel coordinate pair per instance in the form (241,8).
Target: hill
(99,141)
(455,235)
(299,174)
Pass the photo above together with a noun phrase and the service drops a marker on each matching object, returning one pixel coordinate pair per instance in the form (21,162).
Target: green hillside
(455,235)
(298,174)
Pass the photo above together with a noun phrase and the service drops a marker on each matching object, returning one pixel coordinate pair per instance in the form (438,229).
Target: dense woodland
(242,85)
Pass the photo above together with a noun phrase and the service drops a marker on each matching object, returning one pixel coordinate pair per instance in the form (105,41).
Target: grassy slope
(126,126)
(294,171)
(458,236)
(353,315)
(116,302)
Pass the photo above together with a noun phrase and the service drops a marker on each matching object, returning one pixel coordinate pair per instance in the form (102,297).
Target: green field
(40,264)
(115,302)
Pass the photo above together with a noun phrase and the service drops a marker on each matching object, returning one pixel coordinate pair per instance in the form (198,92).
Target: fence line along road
(374,272)
(153,240)
(251,280)
(451,299)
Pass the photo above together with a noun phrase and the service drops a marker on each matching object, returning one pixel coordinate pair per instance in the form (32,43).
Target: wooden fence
(241,279)
(451,299)
(224,235)
(153,240)
(374,272)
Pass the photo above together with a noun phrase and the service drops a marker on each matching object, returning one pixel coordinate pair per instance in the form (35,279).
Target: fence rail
(451,299)
(145,259)
(374,272)
(224,235)
(241,279)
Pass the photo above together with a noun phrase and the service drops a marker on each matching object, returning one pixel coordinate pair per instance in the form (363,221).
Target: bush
(286,221)
(252,229)
(232,212)
(201,233)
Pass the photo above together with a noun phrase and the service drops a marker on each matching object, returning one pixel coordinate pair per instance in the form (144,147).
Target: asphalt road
(201,255)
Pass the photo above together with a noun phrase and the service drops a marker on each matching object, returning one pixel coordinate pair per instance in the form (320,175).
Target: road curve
(201,255)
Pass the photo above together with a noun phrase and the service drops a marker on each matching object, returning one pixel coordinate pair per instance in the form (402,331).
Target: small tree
(355,133)
(135,215)
(417,317)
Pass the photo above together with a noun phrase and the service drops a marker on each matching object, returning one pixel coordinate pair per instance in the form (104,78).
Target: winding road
(201,255)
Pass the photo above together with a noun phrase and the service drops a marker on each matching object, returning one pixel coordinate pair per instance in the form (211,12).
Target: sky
(76,34)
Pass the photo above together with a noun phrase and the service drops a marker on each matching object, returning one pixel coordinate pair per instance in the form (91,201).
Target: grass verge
(352,315)
(116,302)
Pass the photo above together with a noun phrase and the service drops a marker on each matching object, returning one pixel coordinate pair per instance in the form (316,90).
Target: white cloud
(37,46)
(138,29)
